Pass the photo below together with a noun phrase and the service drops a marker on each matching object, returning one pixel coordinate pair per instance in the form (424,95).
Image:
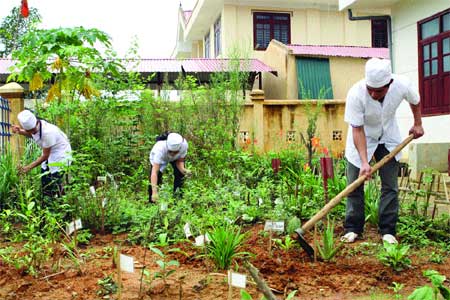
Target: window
(207,45)
(217,38)
(268,26)
(379,34)
(434,64)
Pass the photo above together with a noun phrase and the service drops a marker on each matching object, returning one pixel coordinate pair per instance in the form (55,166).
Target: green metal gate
(313,77)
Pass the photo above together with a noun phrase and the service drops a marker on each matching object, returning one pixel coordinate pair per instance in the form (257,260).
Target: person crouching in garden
(55,149)
(171,150)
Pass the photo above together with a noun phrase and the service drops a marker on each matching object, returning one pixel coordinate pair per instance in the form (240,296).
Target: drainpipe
(389,29)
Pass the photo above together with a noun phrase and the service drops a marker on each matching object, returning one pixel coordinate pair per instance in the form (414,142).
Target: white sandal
(389,238)
(349,237)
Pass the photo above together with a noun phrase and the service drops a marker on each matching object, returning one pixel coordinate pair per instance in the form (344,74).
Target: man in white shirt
(172,150)
(55,149)
(373,132)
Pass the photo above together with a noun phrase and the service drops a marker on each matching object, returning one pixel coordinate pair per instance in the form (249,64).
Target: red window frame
(271,22)
(435,98)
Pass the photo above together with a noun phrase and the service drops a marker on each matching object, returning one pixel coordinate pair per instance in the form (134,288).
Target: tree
(14,26)
(69,58)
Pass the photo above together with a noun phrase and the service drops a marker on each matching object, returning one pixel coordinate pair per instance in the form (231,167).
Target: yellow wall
(269,121)
(308,26)
(344,71)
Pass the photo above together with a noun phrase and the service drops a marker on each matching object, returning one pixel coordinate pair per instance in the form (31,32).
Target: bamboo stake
(261,284)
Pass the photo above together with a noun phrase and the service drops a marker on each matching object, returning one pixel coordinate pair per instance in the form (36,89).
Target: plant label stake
(236,280)
(335,201)
(201,239)
(92,190)
(126,263)
(163,206)
(272,226)
(75,225)
(187,230)
(326,166)
(276,163)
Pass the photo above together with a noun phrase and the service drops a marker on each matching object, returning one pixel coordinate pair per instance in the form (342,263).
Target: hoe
(333,202)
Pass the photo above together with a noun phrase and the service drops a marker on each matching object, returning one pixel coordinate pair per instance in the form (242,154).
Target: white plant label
(126,263)
(163,206)
(187,230)
(260,201)
(104,202)
(201,239)
(274,226)
(92,190)
(237,280)
(101,178)
(71,227)
(209,172)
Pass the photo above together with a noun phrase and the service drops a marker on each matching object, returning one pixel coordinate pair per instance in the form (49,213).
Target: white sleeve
(412,96)
(354,110)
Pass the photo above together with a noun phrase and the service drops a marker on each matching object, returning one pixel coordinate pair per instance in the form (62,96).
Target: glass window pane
(430,28)
(426,69)
(434,67)
(446,22)
(426,52)
(262,17)
(434,49)
(446,46)
(447,63)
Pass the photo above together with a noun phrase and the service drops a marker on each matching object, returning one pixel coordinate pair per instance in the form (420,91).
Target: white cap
(174,141)
(378,72)
(27,120)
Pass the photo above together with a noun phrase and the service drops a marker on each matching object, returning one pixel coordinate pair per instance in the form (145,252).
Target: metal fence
(4,124)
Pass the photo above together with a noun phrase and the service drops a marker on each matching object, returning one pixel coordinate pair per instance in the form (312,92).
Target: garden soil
(355,273)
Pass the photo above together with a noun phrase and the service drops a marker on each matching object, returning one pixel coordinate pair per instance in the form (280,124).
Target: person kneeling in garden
(55,149)
(173,150)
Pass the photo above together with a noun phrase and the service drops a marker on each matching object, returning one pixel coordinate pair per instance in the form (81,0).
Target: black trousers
(388,209)
(177,181)
(51,184)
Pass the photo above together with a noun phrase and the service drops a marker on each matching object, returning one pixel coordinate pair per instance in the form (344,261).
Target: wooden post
(257,98)
(13,92)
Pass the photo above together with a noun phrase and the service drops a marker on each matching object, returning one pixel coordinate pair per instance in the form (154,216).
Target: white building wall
(405,16)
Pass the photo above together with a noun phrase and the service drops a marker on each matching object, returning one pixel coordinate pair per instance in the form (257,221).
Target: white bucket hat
(27,119)
(174,141)
(378,72)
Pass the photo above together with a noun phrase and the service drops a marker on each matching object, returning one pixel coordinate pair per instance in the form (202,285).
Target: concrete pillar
(257,98)
(14,93)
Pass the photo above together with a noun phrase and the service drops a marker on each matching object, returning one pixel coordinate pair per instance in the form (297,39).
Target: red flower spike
(24,9)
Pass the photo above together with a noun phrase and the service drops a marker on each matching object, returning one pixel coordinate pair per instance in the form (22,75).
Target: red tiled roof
(199,65)
(194,65)
(187,15)
(345,51)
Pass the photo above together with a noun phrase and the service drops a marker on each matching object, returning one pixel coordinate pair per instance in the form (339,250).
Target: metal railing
(5,124)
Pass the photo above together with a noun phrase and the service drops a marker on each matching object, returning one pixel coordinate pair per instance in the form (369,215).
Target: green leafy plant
(395,256)
(431,292)
(165,269)
(107,286)
(226,241)
(330,246)
(372,195)
(287,244)
(396,288)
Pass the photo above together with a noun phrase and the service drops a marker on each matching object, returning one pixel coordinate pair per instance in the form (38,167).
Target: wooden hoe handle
(351,187)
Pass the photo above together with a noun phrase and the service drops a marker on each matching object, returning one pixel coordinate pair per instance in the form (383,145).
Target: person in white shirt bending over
(55,149)
(373,132)
(173,150)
